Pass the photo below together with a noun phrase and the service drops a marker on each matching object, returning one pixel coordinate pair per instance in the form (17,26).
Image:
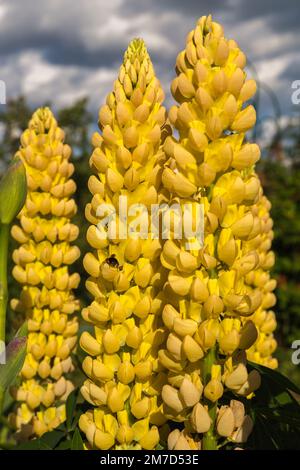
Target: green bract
(13,190)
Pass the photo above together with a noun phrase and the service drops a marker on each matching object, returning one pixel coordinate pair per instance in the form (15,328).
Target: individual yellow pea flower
(229,336)
(225,421)
(200,419)
(182,441)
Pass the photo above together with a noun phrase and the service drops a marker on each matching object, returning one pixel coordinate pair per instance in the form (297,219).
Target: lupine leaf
(276,377)
(77,443)
(52,438)
(70,408)
(15,356)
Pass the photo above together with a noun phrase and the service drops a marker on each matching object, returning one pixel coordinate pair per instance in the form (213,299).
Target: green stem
(208,361)
(209,438)
(2,396)
(4,233)
(209,441)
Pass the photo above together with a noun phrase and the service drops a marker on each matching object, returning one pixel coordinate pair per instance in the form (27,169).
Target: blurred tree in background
(14,118)
(279,170)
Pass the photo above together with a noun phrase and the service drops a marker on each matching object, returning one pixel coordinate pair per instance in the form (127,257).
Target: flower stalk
(4,236)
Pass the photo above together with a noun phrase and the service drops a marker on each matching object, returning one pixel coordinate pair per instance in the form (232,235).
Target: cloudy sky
(60,50)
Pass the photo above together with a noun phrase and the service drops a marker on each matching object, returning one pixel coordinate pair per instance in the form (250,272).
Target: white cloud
(3,10)
(269,71)
(61,85)
(38,73)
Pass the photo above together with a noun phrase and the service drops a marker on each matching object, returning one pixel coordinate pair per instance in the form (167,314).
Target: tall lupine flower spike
(218,293)
(264,318)
(42,267)
(124,377)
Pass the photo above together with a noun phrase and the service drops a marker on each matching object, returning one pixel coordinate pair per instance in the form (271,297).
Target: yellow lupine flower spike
(218,294)
(263,318)
(126,278)
(44,235)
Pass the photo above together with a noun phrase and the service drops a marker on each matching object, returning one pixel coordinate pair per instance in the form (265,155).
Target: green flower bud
(13,191)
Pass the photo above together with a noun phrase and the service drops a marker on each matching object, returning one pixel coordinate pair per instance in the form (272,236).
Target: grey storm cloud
(240,10)
(58,30)
(59,50)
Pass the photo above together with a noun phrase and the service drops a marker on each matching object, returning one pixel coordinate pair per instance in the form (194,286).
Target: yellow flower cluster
(263,318)
(231,423)
(124,377)
(176,321)
(42,261)
(218,294)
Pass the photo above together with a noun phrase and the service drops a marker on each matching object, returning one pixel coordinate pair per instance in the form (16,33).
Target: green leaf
(44,446)
(70,408)
(15,356)
(284,415)
(274,434)
(284,398)
(23,330)
(63,445)
(31,445)
(275,412)
(52,438)
(276,377)
(47,441)
(77,443)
